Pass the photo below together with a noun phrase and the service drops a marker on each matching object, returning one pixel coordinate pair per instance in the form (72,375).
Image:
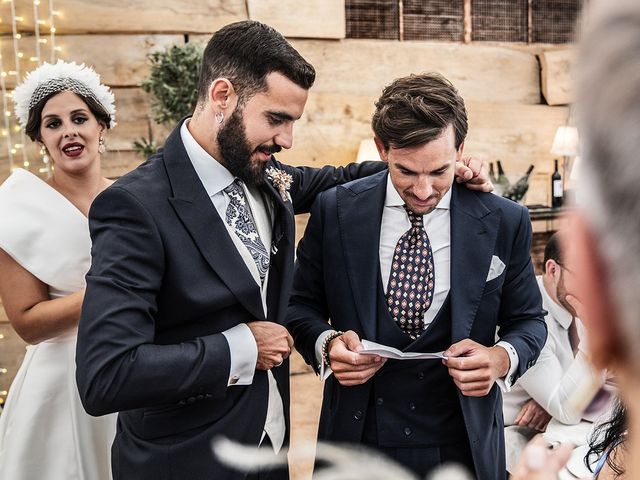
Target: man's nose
(284,138)
(422,189)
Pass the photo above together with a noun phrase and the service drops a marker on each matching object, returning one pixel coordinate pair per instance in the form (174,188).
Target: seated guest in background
(604,233)
(410,259)
(543,391)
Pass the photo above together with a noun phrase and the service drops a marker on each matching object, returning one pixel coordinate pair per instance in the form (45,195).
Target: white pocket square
(496,268)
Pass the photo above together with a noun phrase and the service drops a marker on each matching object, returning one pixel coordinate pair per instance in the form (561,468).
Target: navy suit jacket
(165,281)
(337,277)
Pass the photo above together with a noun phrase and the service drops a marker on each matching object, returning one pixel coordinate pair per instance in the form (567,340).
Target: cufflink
(234,379)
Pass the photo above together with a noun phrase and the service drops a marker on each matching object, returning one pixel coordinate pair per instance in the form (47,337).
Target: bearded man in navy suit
(409,259)
(192,261)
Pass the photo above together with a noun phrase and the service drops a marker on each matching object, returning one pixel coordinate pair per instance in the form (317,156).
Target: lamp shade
(566,141)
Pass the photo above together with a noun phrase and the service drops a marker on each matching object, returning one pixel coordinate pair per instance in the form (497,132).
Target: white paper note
(373,348)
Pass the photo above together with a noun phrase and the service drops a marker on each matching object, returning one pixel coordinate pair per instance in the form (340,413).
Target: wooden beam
(364,67)
(556,75)
(530,21)
(134,120)
(296,19)
(467,21)
(121,60)
(128,16)
(480,72)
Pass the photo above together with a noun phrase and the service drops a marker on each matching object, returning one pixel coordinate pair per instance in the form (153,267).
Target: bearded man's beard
(236,151)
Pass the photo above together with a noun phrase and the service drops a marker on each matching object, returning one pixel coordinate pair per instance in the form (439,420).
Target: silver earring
(44,155)
(219,117)
(101,146)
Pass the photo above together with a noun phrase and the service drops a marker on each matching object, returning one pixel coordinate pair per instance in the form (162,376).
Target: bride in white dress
(45,433)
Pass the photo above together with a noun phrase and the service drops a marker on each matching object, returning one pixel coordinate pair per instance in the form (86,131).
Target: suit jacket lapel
(194,208)
(360,216)
(281,260)
(474,230)
(281,211)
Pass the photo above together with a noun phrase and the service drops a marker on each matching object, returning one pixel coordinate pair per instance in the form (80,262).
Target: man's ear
(221,94)
(550,268)
(591,287)
(384,154)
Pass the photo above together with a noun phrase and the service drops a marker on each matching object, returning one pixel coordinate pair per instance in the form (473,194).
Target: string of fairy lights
(25,36)
(39,37)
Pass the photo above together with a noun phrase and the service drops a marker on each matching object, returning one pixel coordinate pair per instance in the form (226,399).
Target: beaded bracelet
(325,346)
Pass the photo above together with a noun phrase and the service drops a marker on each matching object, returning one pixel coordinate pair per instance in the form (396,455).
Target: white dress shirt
(556,374)
(242,345)
(437,224)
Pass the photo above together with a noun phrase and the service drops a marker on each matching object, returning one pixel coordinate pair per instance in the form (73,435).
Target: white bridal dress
(45,433)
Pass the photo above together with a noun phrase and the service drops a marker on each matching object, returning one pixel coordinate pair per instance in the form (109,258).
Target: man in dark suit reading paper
(408,259)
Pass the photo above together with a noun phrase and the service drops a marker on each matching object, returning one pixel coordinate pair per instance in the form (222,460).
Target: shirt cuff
(325,370)
(244,354)
(505,383)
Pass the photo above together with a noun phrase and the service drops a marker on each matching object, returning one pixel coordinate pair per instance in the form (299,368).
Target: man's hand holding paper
(348,363)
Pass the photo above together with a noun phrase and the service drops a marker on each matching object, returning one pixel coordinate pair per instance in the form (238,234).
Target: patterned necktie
(411,281)
(239,217)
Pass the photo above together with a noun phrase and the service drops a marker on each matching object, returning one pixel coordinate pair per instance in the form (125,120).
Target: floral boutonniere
(281,181)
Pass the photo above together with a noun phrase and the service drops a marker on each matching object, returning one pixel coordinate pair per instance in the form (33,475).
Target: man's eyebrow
(282,115)
(408,169)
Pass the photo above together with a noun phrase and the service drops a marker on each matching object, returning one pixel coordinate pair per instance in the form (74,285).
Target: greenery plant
(173,86)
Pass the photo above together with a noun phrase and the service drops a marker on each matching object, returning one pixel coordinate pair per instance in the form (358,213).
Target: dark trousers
(280,473)
(422,460)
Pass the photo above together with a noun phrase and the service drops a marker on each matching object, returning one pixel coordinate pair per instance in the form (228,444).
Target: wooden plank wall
(509,96)
(516,94)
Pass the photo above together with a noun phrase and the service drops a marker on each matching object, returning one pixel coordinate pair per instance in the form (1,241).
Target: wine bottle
(557,192)
(518,190)
(502,184)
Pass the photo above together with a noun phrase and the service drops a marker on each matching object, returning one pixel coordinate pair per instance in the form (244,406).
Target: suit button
(412,406)
(421,376)
(208,395)
(191,400)
(379,401)
(200,397)
(407,431)
(182,402)
(357,415)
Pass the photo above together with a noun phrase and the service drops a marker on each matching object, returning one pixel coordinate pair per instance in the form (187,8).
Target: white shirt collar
(393,199)
(213,175)
(557,311)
